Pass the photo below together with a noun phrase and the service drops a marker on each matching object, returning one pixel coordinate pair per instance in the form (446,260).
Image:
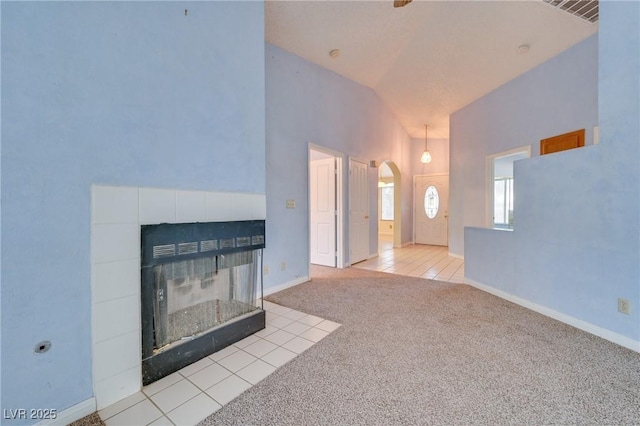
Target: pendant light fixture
(426,156)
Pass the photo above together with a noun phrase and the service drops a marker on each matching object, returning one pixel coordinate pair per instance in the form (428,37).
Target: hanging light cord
(425,137)
(426,156)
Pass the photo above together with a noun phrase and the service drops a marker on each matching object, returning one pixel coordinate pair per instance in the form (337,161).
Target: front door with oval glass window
(431,210)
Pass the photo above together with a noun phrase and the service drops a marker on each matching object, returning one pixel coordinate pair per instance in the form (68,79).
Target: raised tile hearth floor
(200,389)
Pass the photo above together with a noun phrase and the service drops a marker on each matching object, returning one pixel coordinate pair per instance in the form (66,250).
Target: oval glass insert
(431,202)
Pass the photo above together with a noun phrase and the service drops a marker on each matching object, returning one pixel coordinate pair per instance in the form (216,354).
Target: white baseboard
(271,290)
(457,256)
(609,335)
(407,244)
(72,414)
(371,256)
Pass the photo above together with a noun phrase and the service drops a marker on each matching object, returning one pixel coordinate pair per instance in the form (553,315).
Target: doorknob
(366,217)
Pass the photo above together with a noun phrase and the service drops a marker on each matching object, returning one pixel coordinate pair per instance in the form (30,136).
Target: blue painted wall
(0,216)
(122,93)
(556,97)
(576,245)
(307,103)
(619,114)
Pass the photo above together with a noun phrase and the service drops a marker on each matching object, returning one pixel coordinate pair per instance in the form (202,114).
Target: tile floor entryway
(200,389)
(415,260)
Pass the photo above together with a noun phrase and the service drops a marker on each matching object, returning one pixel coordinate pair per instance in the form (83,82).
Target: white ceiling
(429,58)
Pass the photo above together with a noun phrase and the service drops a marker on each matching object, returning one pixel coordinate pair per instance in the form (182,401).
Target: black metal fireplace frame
(213,239)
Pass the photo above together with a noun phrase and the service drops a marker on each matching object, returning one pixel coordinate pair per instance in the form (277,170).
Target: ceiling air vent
(585,9)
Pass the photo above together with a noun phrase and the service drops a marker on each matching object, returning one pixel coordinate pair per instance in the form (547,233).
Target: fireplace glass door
(193,296)
(201,289)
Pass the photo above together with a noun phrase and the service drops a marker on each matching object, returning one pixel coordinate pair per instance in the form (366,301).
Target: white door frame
(413,206)
(339,203)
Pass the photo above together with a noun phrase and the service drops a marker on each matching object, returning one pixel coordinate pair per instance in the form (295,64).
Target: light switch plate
(291,204)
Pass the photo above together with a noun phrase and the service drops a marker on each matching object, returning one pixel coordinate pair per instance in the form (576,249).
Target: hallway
(415,260)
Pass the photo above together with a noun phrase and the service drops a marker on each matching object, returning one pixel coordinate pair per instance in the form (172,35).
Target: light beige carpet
(415,351)
(90,420)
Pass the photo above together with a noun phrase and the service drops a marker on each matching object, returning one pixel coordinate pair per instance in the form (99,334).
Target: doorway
(389,206)
(325,208)
(431,210)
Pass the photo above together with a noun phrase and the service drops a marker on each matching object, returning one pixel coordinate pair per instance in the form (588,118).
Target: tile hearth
(117,214)
(200,389)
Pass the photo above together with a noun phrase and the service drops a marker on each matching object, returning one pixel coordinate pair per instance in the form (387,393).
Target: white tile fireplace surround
(116,216)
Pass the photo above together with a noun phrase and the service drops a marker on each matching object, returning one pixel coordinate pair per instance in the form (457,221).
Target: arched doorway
(389,204)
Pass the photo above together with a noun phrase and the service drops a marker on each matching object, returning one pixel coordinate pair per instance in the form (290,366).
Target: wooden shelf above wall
(562,142)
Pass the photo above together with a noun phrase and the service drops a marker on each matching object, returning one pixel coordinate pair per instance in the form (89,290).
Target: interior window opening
(503,202)
(502,185)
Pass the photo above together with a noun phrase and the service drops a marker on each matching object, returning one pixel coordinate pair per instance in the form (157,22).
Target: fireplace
(199,287)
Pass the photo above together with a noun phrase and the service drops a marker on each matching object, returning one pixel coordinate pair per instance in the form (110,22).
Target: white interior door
(431,210)
(358,212)
(322,209)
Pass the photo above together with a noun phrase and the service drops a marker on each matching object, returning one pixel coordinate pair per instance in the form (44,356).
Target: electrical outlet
(266,269)
(291,204)
(623,306)
(283,266)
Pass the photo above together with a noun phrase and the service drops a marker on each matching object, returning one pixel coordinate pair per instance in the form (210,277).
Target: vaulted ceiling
(429,58)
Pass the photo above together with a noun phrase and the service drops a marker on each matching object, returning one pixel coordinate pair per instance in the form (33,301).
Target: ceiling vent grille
(585,9)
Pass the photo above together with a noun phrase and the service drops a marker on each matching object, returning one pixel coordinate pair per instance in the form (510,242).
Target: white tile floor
(200,389)
(415,260)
